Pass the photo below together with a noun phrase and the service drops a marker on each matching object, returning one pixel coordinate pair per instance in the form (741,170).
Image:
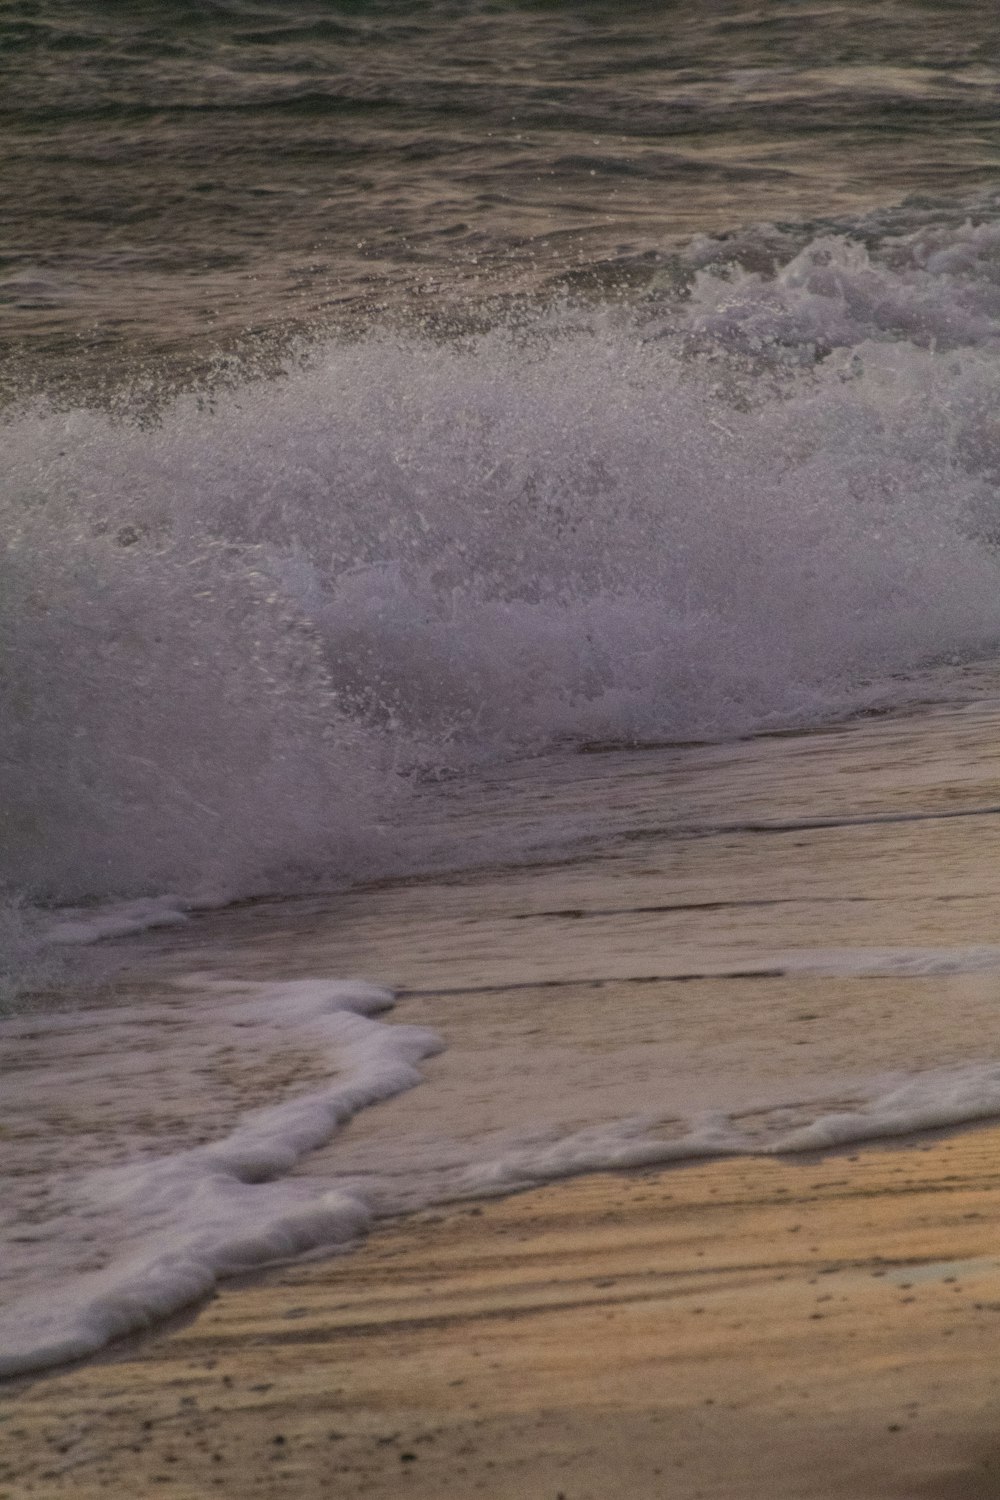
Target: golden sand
(744,1328)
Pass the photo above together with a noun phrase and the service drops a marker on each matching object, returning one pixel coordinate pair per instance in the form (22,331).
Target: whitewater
(268,607)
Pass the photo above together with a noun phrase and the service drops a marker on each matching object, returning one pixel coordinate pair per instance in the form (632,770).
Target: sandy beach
(820,1328)
(791,1325)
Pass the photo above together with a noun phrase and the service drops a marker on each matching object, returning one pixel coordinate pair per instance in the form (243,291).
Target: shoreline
(817,1324)
(822,1327)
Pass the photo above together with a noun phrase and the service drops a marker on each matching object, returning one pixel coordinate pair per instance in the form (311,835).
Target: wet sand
(752,1327)
(798,1328)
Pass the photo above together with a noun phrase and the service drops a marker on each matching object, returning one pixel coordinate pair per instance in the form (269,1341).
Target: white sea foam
(760,504)
(73,926)
(165,1226)
(140,1216)
(896,1106)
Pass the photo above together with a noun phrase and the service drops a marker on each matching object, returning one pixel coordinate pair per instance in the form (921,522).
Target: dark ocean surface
(180,175)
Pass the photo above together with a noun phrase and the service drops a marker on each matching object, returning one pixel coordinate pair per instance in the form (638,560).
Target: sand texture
(782,1328)
(738,1329)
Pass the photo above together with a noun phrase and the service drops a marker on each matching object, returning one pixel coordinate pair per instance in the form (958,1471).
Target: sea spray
(229,636)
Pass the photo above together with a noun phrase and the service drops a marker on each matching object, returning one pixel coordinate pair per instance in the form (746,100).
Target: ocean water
(400,395)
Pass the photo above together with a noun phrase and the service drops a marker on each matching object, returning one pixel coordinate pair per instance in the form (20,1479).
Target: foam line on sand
(800,1328)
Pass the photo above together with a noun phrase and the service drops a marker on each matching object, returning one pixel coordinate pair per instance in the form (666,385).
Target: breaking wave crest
(230,635)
